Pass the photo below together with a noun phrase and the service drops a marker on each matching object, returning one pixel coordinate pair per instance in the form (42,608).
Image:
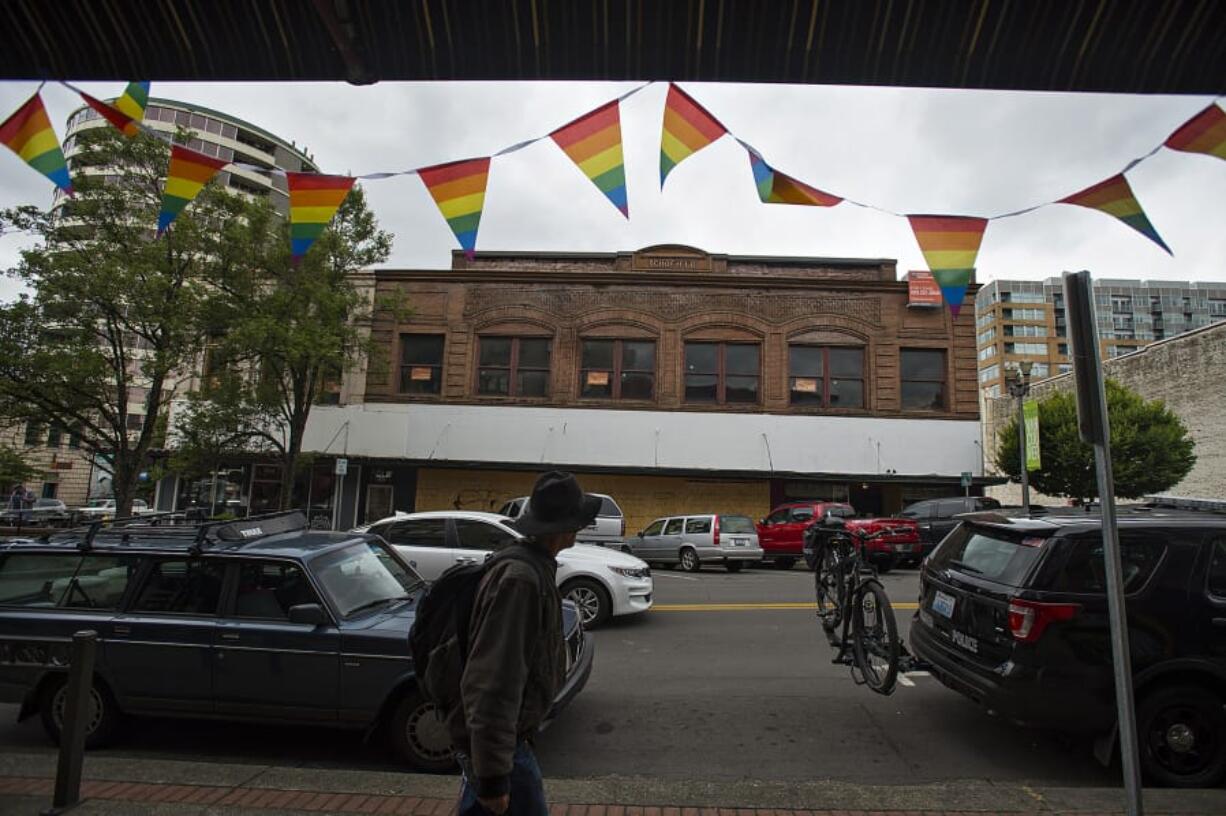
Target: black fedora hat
(557,505)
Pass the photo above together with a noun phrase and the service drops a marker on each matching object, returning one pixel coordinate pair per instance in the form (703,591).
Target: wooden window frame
(944,381)
(825,378)
(437,369)
(618,369)
(721,372)
(513,368)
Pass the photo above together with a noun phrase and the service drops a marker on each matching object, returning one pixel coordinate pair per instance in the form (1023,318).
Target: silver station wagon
(692,541)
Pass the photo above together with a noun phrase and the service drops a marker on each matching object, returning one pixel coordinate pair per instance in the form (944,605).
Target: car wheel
(689,560)
(734,566)
(419,737)
(1182,736)
(102,717)
(595,606)
(784,563)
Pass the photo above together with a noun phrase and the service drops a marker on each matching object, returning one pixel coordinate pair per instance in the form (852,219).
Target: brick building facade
(670,378)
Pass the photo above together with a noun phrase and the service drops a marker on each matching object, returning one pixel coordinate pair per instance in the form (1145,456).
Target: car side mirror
(312,614)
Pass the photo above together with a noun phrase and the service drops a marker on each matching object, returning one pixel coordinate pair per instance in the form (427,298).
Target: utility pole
(1019,386)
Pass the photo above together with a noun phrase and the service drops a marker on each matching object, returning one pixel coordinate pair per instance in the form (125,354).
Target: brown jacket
(516,666)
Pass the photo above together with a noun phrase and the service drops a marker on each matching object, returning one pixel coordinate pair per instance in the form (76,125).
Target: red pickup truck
(782,534)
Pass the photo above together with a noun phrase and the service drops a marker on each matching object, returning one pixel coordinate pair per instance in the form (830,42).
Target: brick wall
(1187,372)
(642,498)
(68,467)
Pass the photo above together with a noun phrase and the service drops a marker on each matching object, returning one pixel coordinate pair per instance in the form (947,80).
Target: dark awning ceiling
(1145,46)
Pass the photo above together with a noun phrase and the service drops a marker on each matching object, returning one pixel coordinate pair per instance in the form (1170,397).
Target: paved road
(703,692)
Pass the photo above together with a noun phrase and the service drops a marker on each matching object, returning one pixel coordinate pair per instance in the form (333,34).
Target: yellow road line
(746,607)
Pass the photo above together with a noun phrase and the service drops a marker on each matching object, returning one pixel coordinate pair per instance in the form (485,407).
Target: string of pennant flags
(593,142)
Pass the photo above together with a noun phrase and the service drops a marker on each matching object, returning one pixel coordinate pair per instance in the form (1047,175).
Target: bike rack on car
(137,531)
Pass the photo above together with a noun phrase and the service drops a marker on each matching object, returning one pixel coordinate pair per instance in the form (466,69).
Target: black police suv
(260,619)
(1013,614)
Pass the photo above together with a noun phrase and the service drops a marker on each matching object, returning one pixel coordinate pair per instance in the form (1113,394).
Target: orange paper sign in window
(808,386)
(421,373)
(598,378)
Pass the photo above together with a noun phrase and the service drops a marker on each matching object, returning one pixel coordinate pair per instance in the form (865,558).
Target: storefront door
(378,502)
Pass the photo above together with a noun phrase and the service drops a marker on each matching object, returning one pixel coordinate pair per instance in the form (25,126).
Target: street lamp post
(1019,387)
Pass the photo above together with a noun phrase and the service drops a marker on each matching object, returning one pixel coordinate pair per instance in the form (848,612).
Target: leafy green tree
(1150,447)
(294,328)
(116,319)
(14,470)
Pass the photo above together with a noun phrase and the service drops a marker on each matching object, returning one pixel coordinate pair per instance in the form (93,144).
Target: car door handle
(464,559)
(230,636)
(121,631)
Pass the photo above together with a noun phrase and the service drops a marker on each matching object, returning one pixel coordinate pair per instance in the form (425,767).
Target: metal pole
(1121,658)
(1021,441)
(72,725)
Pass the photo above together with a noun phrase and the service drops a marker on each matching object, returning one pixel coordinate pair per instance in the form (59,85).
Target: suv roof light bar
(1187,503)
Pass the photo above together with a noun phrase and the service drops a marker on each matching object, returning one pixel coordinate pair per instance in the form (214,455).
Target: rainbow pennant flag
(594,143)
(313,200)
(28,133)
(777,188)
(1114,197)
(123,123)
(189,172)
(688,128)
(134,100)
(1203,133)
(950,244)
(458,188)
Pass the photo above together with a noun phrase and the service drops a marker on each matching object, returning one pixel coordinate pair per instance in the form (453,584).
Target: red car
(782,534)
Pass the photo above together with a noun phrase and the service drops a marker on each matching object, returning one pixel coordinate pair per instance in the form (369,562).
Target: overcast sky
(907,150)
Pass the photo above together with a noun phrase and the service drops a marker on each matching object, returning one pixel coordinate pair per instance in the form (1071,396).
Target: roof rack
(195,538)
(1187,503)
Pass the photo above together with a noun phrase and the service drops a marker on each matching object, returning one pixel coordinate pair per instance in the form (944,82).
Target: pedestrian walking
(15,499)
(516,660)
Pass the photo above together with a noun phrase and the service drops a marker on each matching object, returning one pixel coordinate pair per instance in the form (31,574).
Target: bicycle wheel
(874,637)
(827,578)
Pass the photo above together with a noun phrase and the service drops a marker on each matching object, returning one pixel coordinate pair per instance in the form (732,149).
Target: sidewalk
(115,785)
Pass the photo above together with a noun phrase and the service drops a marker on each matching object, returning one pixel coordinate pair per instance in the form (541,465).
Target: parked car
(45,513)
(608,530)
(96,509)
(267,621)
(782,534)
(601,582)
(938,517)
(1013,614)
(692,541)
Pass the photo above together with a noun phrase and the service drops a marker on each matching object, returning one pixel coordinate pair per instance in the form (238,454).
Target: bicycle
(844,580)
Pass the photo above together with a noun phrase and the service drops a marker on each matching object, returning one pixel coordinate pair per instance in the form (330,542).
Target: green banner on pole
(1030,411)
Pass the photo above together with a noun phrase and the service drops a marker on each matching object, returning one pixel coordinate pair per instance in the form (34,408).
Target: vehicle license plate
(740,542)
(943,604)
(903,547)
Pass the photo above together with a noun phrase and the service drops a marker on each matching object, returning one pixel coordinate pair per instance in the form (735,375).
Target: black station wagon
(257,620)
(1013,614)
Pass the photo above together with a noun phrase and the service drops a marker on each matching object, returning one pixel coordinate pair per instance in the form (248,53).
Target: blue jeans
(527,788)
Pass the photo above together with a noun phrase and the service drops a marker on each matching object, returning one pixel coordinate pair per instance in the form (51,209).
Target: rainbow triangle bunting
(458,188)
(28,133)
(188,173)
(123,123)
(133,101)
(1203,133)
(688,128)
(950,244)
(1114,197)
(594,143)
(313,201)
(777,188)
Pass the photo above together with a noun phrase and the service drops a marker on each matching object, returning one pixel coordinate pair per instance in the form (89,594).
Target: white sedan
(601,582)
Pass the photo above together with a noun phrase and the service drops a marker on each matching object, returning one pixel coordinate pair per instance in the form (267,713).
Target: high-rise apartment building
(1025,320)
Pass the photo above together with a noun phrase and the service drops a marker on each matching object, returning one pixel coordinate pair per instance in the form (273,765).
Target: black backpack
(438,638)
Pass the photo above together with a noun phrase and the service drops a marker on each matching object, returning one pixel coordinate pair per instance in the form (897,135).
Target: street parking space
(727,678)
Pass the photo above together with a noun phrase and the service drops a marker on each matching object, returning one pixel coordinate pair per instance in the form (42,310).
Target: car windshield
(996,556)
(364,576)
(735,524)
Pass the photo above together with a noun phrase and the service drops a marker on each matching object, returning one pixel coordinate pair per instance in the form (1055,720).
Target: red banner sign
(922,289)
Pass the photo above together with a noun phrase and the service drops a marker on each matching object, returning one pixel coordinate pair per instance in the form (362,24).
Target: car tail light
(1028,619)
(715,531)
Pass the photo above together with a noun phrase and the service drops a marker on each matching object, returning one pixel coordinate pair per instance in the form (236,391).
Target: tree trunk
(293,451)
